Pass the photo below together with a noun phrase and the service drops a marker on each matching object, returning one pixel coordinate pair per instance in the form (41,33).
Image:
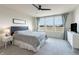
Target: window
(41,22)
(58,21)
(51,24)
(51,21)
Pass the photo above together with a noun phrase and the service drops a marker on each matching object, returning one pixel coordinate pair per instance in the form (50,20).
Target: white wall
(6,16)
(76,17)
(70,19)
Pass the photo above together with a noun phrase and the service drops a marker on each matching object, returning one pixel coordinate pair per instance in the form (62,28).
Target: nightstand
(6,40)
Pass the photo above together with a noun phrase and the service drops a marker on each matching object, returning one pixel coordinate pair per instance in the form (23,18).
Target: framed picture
(19,21)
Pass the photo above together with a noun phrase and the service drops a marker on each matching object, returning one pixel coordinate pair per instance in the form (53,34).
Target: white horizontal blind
(51,24)
(58,20)
(51,21)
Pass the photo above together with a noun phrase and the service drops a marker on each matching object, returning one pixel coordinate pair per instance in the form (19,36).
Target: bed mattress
(33,39)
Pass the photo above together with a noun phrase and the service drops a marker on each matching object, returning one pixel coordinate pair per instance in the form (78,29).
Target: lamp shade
(1,31)
(4,31)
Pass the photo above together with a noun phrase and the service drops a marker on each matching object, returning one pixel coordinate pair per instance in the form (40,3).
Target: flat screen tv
(74,27)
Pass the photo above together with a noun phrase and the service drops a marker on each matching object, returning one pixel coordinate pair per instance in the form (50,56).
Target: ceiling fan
(39,7)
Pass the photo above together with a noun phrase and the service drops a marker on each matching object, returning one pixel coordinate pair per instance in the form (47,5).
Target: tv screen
(74,27)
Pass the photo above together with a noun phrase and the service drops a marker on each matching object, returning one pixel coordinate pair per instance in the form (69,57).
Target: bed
(30,40)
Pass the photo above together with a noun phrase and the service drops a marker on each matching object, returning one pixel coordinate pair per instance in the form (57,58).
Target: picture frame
(19,21)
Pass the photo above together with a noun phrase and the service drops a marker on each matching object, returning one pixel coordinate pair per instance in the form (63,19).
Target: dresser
(73,39)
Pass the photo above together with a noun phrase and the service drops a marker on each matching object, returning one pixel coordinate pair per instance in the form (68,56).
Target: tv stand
(73,39)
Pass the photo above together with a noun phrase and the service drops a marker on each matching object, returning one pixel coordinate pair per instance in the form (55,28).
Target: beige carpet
(52,47)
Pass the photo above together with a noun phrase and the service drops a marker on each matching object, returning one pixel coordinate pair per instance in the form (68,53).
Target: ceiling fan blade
(39,7)
(45,9)
(35,6)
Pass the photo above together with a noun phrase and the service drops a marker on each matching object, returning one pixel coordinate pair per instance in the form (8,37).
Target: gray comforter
(32,38)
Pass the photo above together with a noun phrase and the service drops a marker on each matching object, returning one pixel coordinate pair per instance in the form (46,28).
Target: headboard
(17,28)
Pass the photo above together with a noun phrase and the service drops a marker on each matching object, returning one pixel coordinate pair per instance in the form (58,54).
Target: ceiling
(29,9)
